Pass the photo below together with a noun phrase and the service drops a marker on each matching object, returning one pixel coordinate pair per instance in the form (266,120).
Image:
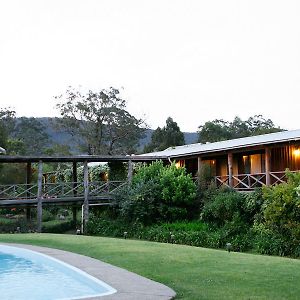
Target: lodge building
(244,163)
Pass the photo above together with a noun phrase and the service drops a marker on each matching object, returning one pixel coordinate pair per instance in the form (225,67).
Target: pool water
(29,275)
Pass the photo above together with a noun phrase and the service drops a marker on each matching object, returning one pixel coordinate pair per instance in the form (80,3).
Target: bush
(157,193)
(226,206)
(278,231)
(47,215)
(117,171)
(58,226)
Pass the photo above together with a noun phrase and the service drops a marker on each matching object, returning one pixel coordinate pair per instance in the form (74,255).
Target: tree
(214,131)
(7,122)
(99,121)
(168,136)
(32,134)
(219,130)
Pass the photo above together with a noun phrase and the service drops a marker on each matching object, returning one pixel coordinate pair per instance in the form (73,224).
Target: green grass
(194,273)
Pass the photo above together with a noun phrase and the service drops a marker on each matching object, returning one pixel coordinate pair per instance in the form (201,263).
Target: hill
(62,137)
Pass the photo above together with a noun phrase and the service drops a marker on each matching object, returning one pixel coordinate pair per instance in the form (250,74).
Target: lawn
(194,273)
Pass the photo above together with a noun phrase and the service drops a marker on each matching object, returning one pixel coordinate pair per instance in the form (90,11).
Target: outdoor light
(172,237)
(297,151)
(125,235)
(228,247)
(177,165)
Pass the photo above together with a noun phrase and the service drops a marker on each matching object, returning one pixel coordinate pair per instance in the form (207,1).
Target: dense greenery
(157,193)
(219,130)
(162,205)
(7,118)
(194,273)
(19,224)
(278,231)
(28,137)
(163,138)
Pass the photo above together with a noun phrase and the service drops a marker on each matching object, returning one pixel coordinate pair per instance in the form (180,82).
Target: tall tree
(99,121)
(214,131)
(168,136)
(32,134)
(219,130)
(7,123)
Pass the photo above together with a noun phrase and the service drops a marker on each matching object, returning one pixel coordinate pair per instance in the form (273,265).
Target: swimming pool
(29,275)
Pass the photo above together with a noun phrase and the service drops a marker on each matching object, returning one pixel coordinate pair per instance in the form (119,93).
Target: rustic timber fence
(248,182)
(58,191)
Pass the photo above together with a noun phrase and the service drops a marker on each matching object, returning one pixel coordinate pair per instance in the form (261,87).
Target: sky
(193,60)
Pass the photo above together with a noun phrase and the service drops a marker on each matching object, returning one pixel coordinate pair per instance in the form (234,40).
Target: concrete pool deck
(129,286)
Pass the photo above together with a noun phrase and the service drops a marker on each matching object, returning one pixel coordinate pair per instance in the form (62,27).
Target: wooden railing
(251,181)
(59,190)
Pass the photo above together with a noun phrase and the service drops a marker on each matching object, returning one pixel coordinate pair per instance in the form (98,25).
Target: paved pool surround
(129,286)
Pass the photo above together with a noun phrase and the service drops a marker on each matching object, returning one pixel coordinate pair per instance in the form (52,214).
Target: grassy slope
(194,273)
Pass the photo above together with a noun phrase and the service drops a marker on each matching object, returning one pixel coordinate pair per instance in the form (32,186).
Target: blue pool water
(29,275)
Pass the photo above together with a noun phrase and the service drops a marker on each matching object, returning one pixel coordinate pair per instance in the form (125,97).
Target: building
(244,163)
(2,151)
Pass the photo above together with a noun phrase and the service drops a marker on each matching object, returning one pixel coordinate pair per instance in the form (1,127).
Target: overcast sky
(193,60)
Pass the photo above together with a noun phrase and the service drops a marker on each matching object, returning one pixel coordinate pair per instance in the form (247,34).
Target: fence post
(74,179)
(130,170)
(230,169)
(39,197)
(85,207)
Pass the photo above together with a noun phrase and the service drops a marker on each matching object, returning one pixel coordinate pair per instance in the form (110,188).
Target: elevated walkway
(25,195)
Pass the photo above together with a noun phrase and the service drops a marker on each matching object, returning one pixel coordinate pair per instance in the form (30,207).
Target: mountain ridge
(62,137)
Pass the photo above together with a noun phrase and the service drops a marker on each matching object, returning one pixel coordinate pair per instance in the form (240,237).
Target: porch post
(199,168)
(130,170)
(28,181)
(85,206)
(39,197)
(230,169)
(268,165)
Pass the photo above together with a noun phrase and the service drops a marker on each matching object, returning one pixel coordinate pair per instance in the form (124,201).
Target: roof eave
(233,148)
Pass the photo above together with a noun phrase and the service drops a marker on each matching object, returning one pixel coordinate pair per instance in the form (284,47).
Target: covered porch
(248,168)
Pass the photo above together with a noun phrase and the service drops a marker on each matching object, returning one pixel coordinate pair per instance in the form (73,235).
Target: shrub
(157,193)
(225,206)
(117,171)
(279,230)
(58,226)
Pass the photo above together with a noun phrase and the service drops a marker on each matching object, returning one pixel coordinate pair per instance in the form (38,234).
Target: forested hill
(60,137)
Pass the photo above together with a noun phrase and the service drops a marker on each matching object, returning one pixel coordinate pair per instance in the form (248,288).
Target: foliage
(99,172)
(32,134)
(219,130)
(7,122)
(281,216)
(267,241)
(16,146)
(157,192)
(56,226)
(168,136)
(226,206)
(100,121)
(193,233)
(117,171)
(58,150)
(12,173)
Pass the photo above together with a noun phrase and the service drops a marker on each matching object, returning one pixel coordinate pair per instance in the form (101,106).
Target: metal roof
(252,141)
